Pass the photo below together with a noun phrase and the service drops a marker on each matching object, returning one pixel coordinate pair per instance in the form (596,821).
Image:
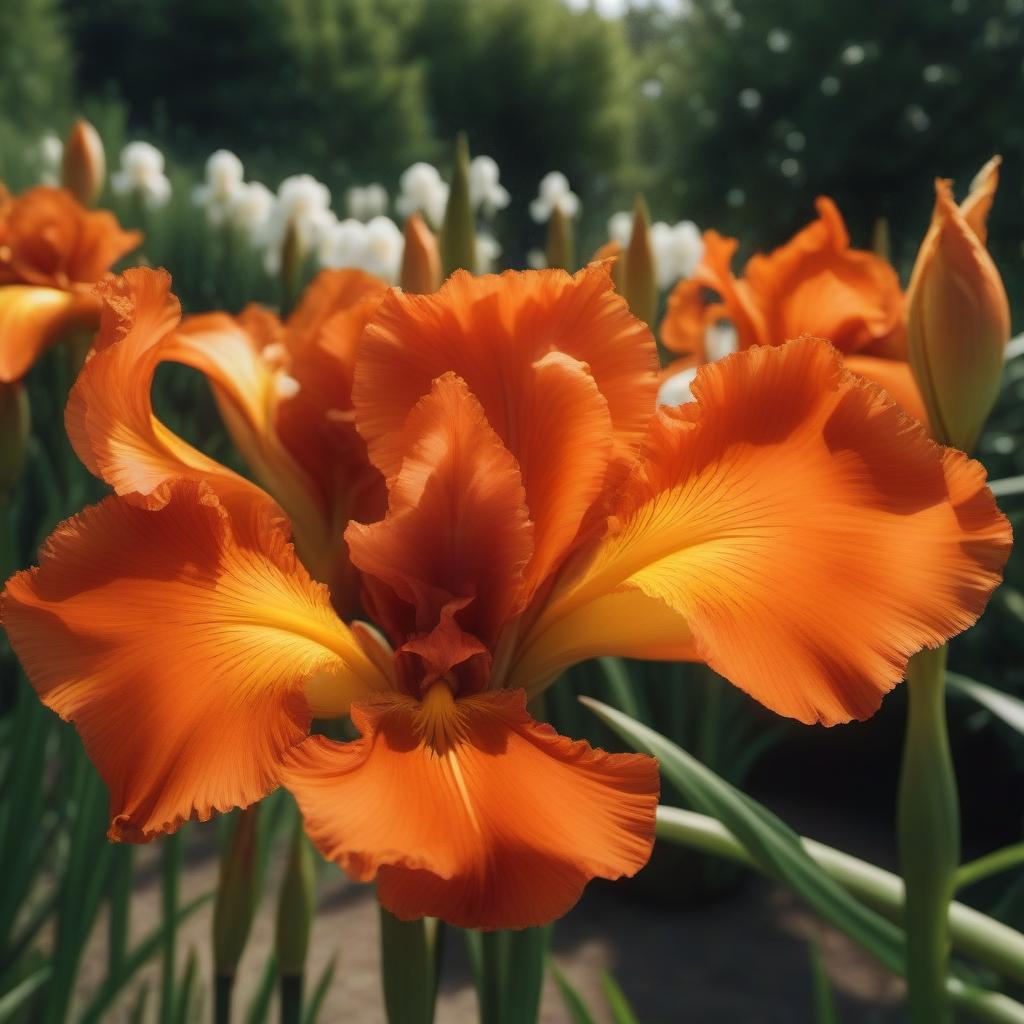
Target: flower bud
(458,235)
(14,430)
(85,167)
(638,281)
(559,250)
(296,903)
(958,315)
(237,894)
(421,258)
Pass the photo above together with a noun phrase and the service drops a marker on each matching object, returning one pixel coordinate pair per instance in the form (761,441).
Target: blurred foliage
(764,104)
(294,85)
(35,70)
(536,86)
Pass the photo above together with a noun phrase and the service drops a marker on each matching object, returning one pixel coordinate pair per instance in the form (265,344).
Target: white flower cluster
(50,156)
(422,190)
(141,174)
(486,193)
(677,248)
(375,246)
(554,193)
(301,214)
(228,199)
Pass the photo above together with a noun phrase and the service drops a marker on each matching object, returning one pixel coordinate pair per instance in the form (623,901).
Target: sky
(613,8)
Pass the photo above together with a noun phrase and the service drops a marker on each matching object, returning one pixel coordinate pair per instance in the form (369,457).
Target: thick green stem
(929,837)
(993,863)
(171,877)
(409,968)
(975,935)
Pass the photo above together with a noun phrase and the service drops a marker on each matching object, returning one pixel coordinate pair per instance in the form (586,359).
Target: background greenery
(734,113)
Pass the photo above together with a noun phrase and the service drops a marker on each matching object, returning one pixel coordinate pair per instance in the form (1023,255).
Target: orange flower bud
(958,316)
(638,282)
(560,248)
(421,258)
(85,166)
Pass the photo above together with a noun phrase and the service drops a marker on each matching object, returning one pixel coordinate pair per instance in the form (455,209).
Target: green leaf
(573,1001)
(525,953)
(137,958)
(825,1011)
(622,1012)
(774,847)
(12,1002)
(974,934)
(311,1012)
(259,1008)
(409,965)
(1005,707)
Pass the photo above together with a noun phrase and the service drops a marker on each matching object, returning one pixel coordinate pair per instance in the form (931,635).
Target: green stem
(223,986)
(928,824)
(494,965)
(1008,485)
(982,938)
(169,901)
(409,968)
(991,864)
(291,998)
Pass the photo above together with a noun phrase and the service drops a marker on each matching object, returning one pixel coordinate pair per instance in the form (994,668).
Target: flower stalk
(929,837)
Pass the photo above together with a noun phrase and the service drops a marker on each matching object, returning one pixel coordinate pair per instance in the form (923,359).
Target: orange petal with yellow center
(457,528)
(109,415)
(32,319)
(179,642)
(515,339)
(471,811)
(802,535)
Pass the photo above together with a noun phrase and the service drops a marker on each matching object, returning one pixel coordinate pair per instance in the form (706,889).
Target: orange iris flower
(284,393)
(52,252)
(815,284)
(792,528)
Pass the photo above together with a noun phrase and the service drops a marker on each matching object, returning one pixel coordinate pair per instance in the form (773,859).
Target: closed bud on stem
(638,282)
(14,430)
(560,249)
(958,315)
(880,239)
(237,894)
(84,169)
(421,258)
(291,265)
(458,235)
(295,906)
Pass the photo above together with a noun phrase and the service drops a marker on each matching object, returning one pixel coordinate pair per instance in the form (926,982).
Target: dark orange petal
(457,528)
(32,319)
(285,394)
(473,813)
(736,302)
(513,339)
(179,641)
(896,377)
(685,323)
(816,284)
(801,532)
(109,415)
(47,238)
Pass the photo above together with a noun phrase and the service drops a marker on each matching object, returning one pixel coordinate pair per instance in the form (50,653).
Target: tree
(769,103)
